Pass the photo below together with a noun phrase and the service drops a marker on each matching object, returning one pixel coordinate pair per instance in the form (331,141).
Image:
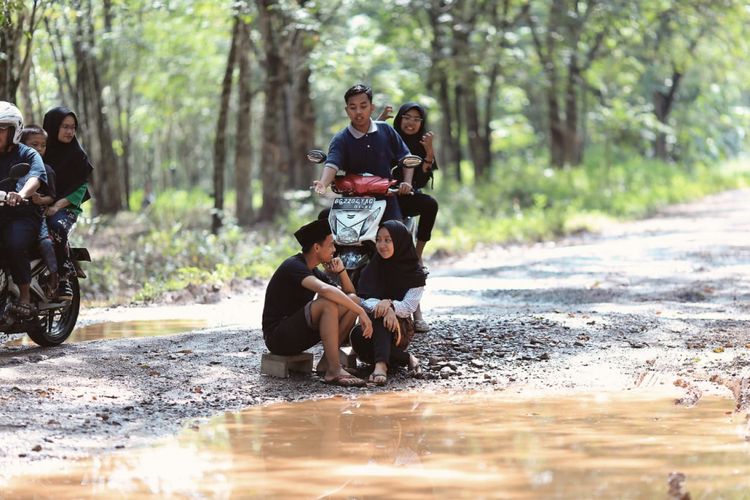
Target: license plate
(353,203)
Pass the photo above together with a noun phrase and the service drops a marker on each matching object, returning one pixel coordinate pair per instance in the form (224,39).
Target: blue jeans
(20,229)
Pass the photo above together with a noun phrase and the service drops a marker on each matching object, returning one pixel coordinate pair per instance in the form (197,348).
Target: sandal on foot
(22,310)
(378,378)
(421,326)
(346,381)
(320,372)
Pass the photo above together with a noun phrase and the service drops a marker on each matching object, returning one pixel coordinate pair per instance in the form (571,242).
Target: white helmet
(10,115)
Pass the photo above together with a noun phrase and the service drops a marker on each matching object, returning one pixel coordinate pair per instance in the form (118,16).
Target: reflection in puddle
(123,329)
(431,446)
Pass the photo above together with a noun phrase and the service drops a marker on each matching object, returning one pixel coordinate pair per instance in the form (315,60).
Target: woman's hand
(385,114)
(390,320)
(405,188)
(382,308)
(51,210)
(426,141)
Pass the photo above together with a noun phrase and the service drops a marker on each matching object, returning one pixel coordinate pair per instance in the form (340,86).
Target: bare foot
(414,369)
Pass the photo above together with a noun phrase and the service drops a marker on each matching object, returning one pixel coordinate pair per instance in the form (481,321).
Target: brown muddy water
(122,330)
(414,445)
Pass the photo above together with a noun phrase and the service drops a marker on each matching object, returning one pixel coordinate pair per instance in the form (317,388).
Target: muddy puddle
(122,330)
(406,445)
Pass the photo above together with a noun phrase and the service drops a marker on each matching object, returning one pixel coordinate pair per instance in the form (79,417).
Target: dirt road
(654,303)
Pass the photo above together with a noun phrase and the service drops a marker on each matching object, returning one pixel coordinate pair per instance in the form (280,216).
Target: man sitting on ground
(294,320)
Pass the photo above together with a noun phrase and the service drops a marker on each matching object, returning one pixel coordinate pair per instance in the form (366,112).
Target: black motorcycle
(52,321)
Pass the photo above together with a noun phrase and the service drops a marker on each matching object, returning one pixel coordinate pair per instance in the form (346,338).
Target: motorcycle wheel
(55,326)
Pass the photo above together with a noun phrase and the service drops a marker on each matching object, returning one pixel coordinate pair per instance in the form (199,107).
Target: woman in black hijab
(411,124)
(391,287)
(72,171)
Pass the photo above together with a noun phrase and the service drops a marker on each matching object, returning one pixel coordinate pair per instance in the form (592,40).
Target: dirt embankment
(655,303)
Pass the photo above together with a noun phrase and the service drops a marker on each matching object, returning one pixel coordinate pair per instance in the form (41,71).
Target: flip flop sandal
(350,371)
(346,381)
(379,378)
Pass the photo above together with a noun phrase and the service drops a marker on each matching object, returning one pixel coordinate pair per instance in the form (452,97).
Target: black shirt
(285,294)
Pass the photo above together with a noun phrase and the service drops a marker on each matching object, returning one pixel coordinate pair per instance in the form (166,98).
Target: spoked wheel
(56,325)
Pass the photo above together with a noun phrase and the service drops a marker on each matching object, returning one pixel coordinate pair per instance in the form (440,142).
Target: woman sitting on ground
(391,287)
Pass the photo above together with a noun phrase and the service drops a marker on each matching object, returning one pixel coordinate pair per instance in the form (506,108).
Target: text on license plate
(353,203)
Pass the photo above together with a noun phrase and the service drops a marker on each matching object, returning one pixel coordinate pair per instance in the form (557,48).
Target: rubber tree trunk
(243,146)
(106,185)
(220,140)
(274,162)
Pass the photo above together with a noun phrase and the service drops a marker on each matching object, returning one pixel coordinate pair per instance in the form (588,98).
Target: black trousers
(423,205)
(379,347)
(20,230)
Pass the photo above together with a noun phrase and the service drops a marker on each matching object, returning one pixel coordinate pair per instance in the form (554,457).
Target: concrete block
(280,366)
(347,357)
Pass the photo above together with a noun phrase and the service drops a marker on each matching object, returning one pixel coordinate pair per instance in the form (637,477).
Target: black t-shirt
(48,188)
(285,294)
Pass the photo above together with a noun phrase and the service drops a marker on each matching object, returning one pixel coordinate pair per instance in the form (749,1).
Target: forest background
(551,117)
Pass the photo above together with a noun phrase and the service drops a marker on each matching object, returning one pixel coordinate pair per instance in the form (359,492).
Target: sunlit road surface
(407,445)
(643,266)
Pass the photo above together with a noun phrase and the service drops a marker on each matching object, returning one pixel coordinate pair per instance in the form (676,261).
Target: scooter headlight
(347,235)
(372,219)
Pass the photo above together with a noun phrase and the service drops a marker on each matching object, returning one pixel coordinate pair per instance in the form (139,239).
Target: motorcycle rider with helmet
(19,223)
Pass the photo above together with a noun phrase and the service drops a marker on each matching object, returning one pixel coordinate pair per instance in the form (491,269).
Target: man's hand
(366,324)
(51,210)
(385,114)
(13,198)
(390,320)
(319,187)
(336,266)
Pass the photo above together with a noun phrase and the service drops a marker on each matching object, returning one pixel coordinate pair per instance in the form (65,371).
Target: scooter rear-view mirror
(18,170)
(316,156)
(411,161)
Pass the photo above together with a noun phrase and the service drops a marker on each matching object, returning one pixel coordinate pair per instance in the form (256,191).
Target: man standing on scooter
(364,147)
(293,322)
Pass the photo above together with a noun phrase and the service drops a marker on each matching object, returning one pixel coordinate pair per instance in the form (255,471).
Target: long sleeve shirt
(76,198)
(403,308)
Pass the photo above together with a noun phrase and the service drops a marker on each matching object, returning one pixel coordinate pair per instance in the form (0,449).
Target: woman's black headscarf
(69,161)
(420,178)
(391,278)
